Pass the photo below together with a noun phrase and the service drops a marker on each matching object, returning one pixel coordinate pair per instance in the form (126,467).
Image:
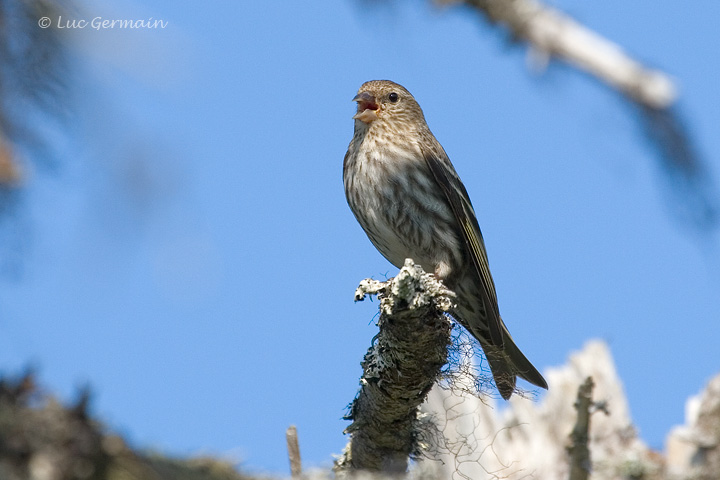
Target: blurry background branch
(293,446)
(579,449)
(553,35)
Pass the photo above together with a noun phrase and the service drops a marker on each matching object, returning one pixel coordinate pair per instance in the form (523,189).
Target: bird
(410,201)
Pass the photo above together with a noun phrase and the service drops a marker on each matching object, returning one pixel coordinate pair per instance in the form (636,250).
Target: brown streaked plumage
(405,193)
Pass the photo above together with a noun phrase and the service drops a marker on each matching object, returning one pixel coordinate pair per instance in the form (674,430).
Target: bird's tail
(502,370)
(508,363)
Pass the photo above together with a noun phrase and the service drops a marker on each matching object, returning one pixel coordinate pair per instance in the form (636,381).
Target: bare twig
(293,447)
(398,370)
(580,463)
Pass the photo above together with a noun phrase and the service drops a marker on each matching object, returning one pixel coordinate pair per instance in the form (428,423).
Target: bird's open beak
(367,107)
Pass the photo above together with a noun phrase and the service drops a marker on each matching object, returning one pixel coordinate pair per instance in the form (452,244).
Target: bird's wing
(459,201)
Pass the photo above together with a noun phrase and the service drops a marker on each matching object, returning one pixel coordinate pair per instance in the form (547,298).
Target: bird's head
(386,101)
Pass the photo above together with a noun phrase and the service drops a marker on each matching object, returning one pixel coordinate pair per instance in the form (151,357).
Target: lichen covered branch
(399,369)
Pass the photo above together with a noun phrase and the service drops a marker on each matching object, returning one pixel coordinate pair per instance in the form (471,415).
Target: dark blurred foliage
(693,196)
(33,97)
(42,438)
(33,69)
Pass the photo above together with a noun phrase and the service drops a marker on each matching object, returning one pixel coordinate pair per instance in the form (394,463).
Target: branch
(398,370)
(580,463)
(553,35)
(293,447)
(556,35)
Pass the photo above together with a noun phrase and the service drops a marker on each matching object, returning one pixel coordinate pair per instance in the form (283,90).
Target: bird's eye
(393,97)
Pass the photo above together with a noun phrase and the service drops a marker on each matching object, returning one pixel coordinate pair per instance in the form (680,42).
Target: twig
(580,463)
(293,447)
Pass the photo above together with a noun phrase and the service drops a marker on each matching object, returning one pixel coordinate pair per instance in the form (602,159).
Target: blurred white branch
(554,34)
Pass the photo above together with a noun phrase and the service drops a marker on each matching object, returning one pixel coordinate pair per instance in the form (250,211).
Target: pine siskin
(405,193)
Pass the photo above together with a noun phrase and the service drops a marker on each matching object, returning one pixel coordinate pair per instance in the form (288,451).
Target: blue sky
(194,261)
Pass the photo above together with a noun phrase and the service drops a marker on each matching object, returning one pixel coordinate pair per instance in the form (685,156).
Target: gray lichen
(399,369)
